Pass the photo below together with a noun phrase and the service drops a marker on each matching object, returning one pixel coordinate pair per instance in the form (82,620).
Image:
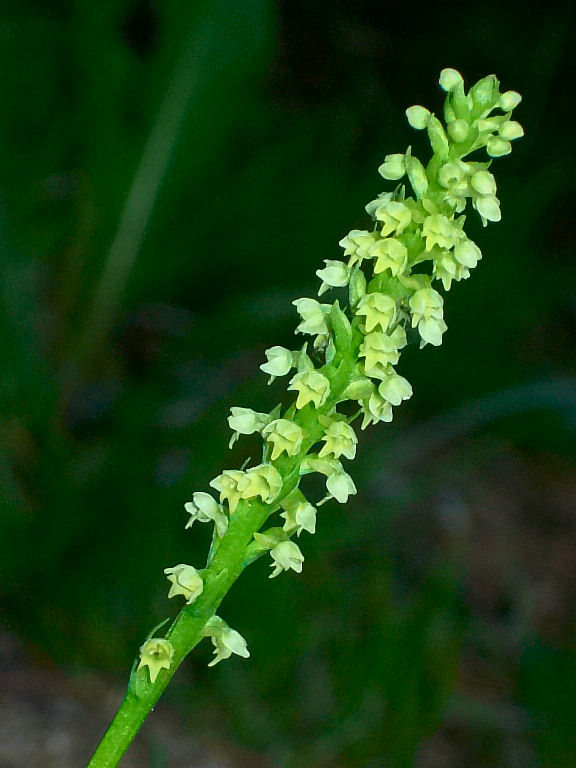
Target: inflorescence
(392,272)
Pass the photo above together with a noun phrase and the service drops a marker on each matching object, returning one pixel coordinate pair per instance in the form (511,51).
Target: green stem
(226,566)
(184,634)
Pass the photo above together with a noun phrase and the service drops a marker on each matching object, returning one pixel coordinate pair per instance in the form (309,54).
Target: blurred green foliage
(172,176)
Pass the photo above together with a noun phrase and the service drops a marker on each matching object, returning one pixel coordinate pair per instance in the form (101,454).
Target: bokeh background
(172,175)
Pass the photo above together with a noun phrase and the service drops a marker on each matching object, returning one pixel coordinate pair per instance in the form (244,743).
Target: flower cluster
(390,275)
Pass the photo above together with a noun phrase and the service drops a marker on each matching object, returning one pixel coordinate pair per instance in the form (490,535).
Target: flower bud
(449,79)
(484,183)
(467,253)
(497,147)
(393,167)
(511,130)
(458,130)
(418,117)
(488,207)
(509,100)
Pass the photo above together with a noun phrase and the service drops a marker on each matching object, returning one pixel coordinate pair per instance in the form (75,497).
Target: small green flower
(335,274)
(393,167)
(340,486)
(312,387)
(225,640)
(394,215)
(298,513)
(286,556)
(203,508)
(231,484)
(312,314)
(447,267)
(389,254)
(245,421)
(394,388)
(467,253)
(439,230)
(186,581)
(380,349)
(375,409)
(264,481)
(285,436)
(339,440)
(378,309)
(357,245)
(427,313)
(279,362)
(156,654)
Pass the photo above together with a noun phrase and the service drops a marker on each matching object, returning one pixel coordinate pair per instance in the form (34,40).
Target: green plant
(347,372)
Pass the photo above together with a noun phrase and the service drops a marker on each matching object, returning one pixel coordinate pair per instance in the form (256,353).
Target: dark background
(172,175)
